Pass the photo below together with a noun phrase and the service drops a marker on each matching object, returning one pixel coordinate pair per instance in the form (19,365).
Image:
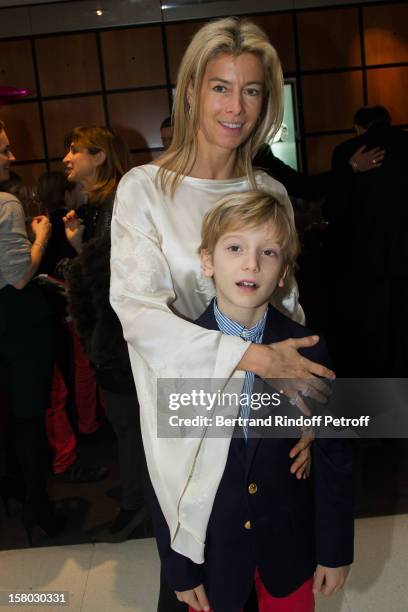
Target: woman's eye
(220,88)
(253,92)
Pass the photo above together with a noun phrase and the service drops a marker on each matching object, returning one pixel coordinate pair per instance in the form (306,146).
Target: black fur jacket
(96,322)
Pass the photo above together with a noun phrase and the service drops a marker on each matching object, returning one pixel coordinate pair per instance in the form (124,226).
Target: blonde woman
(228,99)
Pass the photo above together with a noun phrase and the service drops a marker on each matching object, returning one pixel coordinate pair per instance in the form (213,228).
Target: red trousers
(61,437)
(301,600)
(85,388)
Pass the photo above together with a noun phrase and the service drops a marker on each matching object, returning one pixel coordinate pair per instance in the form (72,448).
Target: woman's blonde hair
(232,36)
(117,160)
(247,210)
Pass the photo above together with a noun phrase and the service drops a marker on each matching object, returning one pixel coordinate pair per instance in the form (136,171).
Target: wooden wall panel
(16,64)
(63,115)
(389,87)
(319,151)
(329,39)
(279,28)
(138,115)
(24,130)
(144,157)
(386,33)
(57,166)
(330,100)
(30,173)
(133,58)
(68,64)
(178,38)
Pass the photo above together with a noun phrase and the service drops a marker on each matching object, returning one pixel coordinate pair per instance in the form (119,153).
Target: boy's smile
(246,266)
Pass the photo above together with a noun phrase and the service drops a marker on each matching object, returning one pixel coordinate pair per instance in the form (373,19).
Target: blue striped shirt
(254,334)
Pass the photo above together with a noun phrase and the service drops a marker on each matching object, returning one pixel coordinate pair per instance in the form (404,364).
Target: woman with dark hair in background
(27,343)
(59,196)
(54,192)
(97,158)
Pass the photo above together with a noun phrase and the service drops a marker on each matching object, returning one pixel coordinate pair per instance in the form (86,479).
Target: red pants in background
(84,388)
(301,600)
(61,437)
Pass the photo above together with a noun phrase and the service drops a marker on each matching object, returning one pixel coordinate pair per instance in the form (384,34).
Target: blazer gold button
(248,525)
(252,488)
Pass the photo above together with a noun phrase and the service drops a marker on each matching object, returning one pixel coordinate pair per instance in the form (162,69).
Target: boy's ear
(207,267)
(283,277)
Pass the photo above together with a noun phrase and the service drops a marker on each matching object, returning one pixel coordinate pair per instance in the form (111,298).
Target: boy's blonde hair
(250,209)
(232,36)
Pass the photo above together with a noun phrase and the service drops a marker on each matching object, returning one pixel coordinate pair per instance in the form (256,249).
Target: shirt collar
(232,328)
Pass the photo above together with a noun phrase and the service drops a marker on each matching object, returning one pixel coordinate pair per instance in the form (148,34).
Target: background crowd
(60,338)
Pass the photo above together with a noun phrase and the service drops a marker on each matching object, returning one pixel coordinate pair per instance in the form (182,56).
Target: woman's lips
(231,125)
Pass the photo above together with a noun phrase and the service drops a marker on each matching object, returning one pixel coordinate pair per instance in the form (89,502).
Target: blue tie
(254,334)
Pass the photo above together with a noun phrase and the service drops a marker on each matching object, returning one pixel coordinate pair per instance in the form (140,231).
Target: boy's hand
(329,580)
(303,460)
(195,598)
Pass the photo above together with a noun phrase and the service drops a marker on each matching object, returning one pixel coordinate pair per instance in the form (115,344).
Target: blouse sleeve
(15,248)
(142,295)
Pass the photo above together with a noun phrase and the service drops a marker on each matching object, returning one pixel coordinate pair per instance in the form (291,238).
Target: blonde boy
(289,537)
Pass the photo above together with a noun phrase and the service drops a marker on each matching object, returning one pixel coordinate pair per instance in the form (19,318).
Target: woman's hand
(41,228)
(286,362)
(195,598)
(281,360)
(303,459)
(329,580)
(285,369)
(363,161)
(74,229)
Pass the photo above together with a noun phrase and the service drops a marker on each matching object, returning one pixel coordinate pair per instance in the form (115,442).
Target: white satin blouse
(156,290)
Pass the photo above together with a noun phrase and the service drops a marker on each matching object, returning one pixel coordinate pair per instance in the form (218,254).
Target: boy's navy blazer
(263,516)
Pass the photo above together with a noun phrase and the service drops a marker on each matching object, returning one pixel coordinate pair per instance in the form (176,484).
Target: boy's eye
(234,248)
(270,253)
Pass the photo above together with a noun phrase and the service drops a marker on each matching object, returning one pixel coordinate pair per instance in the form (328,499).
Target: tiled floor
(115,578)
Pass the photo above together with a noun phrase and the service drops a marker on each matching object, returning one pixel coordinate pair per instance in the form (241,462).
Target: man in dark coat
(367,252)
